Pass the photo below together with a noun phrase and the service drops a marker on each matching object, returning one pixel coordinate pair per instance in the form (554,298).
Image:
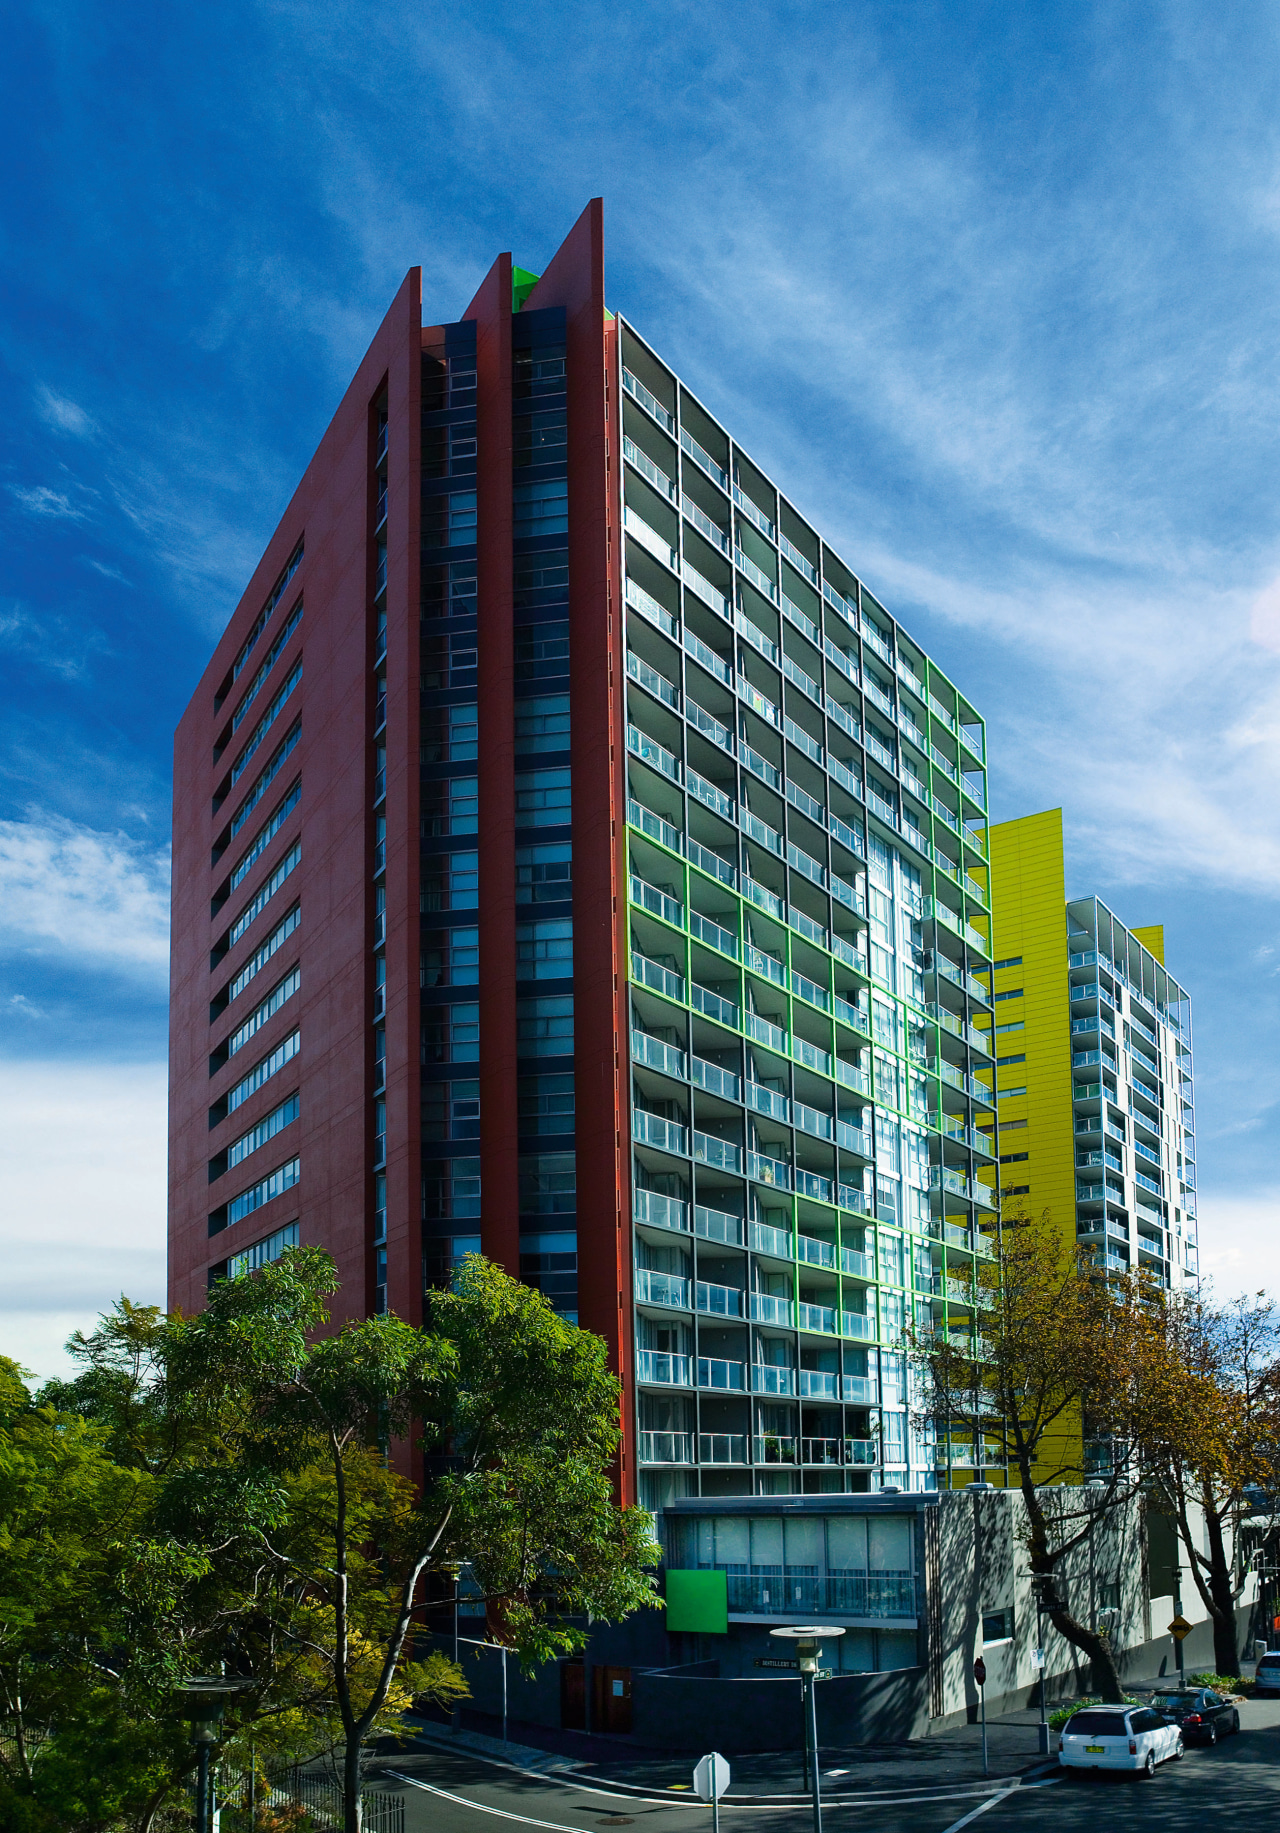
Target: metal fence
(252,1804)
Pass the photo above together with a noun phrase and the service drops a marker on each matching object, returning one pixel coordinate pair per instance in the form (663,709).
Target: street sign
(711,1776)
(1179,1628)
(775,1661)
(1037,1657)
(980,1671)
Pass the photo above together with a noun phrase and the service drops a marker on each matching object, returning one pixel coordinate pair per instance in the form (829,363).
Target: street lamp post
(808,1648)
(207,1697)
(1038,1580)
(1177,1614)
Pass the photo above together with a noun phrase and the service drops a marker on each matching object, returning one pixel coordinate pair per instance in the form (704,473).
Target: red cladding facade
(398,961)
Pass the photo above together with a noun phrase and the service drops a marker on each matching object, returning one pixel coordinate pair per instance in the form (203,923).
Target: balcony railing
(766,1309)
(858,1326)
(658,1211)
(717,1225)
(654,1288)
(768,1379)
(666,1447)
(791,1594)
(662,1369)
(714,1372)
(722,1448)
(718,1301)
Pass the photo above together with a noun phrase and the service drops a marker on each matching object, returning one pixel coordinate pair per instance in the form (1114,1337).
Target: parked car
(1267,1674)
(1118,1737)
(1202,1715)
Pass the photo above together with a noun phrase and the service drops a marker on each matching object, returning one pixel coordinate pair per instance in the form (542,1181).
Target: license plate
(1095,1750)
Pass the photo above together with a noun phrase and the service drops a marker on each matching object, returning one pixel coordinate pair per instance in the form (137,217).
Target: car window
(1146,1721)
(1270,1661)
(1096,1724)
(1211,1698)
(1171,1702)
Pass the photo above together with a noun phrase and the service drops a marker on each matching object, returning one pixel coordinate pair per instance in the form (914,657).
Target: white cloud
(42,501)
(1240,1243)
(96,897)
(82,1164)
(63,414)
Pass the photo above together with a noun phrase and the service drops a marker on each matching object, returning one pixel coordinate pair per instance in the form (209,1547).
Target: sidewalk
(615,1762)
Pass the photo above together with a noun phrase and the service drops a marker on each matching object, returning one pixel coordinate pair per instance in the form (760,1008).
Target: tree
(1208,1436)
(268,1443)
(1052,1335)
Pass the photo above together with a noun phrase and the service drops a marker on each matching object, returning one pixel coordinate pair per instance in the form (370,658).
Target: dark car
(1202,1715)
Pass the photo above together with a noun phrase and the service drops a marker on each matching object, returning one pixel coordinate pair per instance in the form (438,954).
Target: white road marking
(993,1802)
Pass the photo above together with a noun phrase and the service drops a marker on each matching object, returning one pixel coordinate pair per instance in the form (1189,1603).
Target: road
(1235,1785)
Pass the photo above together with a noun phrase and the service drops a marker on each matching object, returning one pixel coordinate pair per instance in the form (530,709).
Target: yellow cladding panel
(1029,916)
(1152,938)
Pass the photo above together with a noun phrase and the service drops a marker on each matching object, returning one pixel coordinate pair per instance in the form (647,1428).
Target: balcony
(775,1241)
(815,1252)
(647,469)
(818,1318)
(658,1055)
(651,752)
(768,1170)
(862,1451)
(658,1211)
(656,902)
(663,1370)
(666,1447)
(878,1595)
(858,1326)
(714,1080)
(650,679)
(817,1384)
(716,1225)
(722,1154)
(718,1301)
(768,1379)
(653,1288)
(654,826)
(820,1451)
(650,403)
(704,459)
(648,607)
(766,1309)
(860,1266)
(653,1130)
(715,1373)
(722,1448)
(652,974)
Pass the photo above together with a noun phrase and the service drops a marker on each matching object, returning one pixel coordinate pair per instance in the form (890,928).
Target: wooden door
(611,1699)
(573,1696)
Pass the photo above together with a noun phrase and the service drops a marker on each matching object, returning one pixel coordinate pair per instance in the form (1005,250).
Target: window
(540,371)
(450,881)
(268,663)
(258,960)
(448,591)
(261,1072)
(449,451)
(544,951)
(442,1255)
(543,724)
(450,957)
(544,1026)
(257,1136)
(448,733)
(262,840)
(260,622)
(1007,1094)
(450,805)
(249,1259)
(449,521)
(540,438)
(546,1104)
(549,1263)
(1109,1594)
(1002,1060)
(1016,1190)
(263,782)
(451,1110)
(1018,1024)
(251,911)
(543,649)
(544,874)
(1014,1158)
(997,1625)
(276,1182)
(268,719)
(1010,1126)
(548,1184)
(542,798)
(450,1187)
(1009,961)
(451,1034)
(541,579)
(282,991)
(448,660)
(1013,993)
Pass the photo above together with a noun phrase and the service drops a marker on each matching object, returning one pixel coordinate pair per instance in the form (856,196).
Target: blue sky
(992,290)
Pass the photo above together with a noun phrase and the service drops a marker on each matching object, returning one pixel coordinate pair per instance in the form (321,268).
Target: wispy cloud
(96,899)
(63,415)
(48,641)
(40,500)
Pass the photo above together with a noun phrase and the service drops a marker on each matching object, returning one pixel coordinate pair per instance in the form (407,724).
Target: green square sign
(698,1601)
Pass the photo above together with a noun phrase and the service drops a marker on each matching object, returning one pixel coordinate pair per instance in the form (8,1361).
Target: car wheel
(1179,1749)
(1213,1736)
(1149,1767)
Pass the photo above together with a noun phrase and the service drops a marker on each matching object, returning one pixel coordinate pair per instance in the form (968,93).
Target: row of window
(451,805)
(451,1110)
(544,1027)
(451,957)
(451,881)
(539,508)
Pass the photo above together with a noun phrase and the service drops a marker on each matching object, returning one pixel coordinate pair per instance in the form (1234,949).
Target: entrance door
(611,1699)
(573,1696)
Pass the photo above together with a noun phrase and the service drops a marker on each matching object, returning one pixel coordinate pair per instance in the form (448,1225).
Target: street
(1235,1784)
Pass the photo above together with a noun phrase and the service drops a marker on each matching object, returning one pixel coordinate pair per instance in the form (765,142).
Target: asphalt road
(1233,1786)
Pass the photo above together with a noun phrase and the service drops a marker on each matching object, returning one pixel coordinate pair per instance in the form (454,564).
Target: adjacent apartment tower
(573,861)
(1093,1055)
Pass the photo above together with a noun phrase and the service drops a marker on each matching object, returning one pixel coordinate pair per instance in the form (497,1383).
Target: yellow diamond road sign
(1179,1628)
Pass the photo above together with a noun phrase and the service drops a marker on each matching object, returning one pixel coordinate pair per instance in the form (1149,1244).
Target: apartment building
(1093,1064)
(574,861)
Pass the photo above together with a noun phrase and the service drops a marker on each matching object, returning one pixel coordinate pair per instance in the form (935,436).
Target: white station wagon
(1116,1737)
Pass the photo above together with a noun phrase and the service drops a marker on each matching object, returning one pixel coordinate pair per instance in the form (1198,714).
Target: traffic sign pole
(711,1777)
(980,1675)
